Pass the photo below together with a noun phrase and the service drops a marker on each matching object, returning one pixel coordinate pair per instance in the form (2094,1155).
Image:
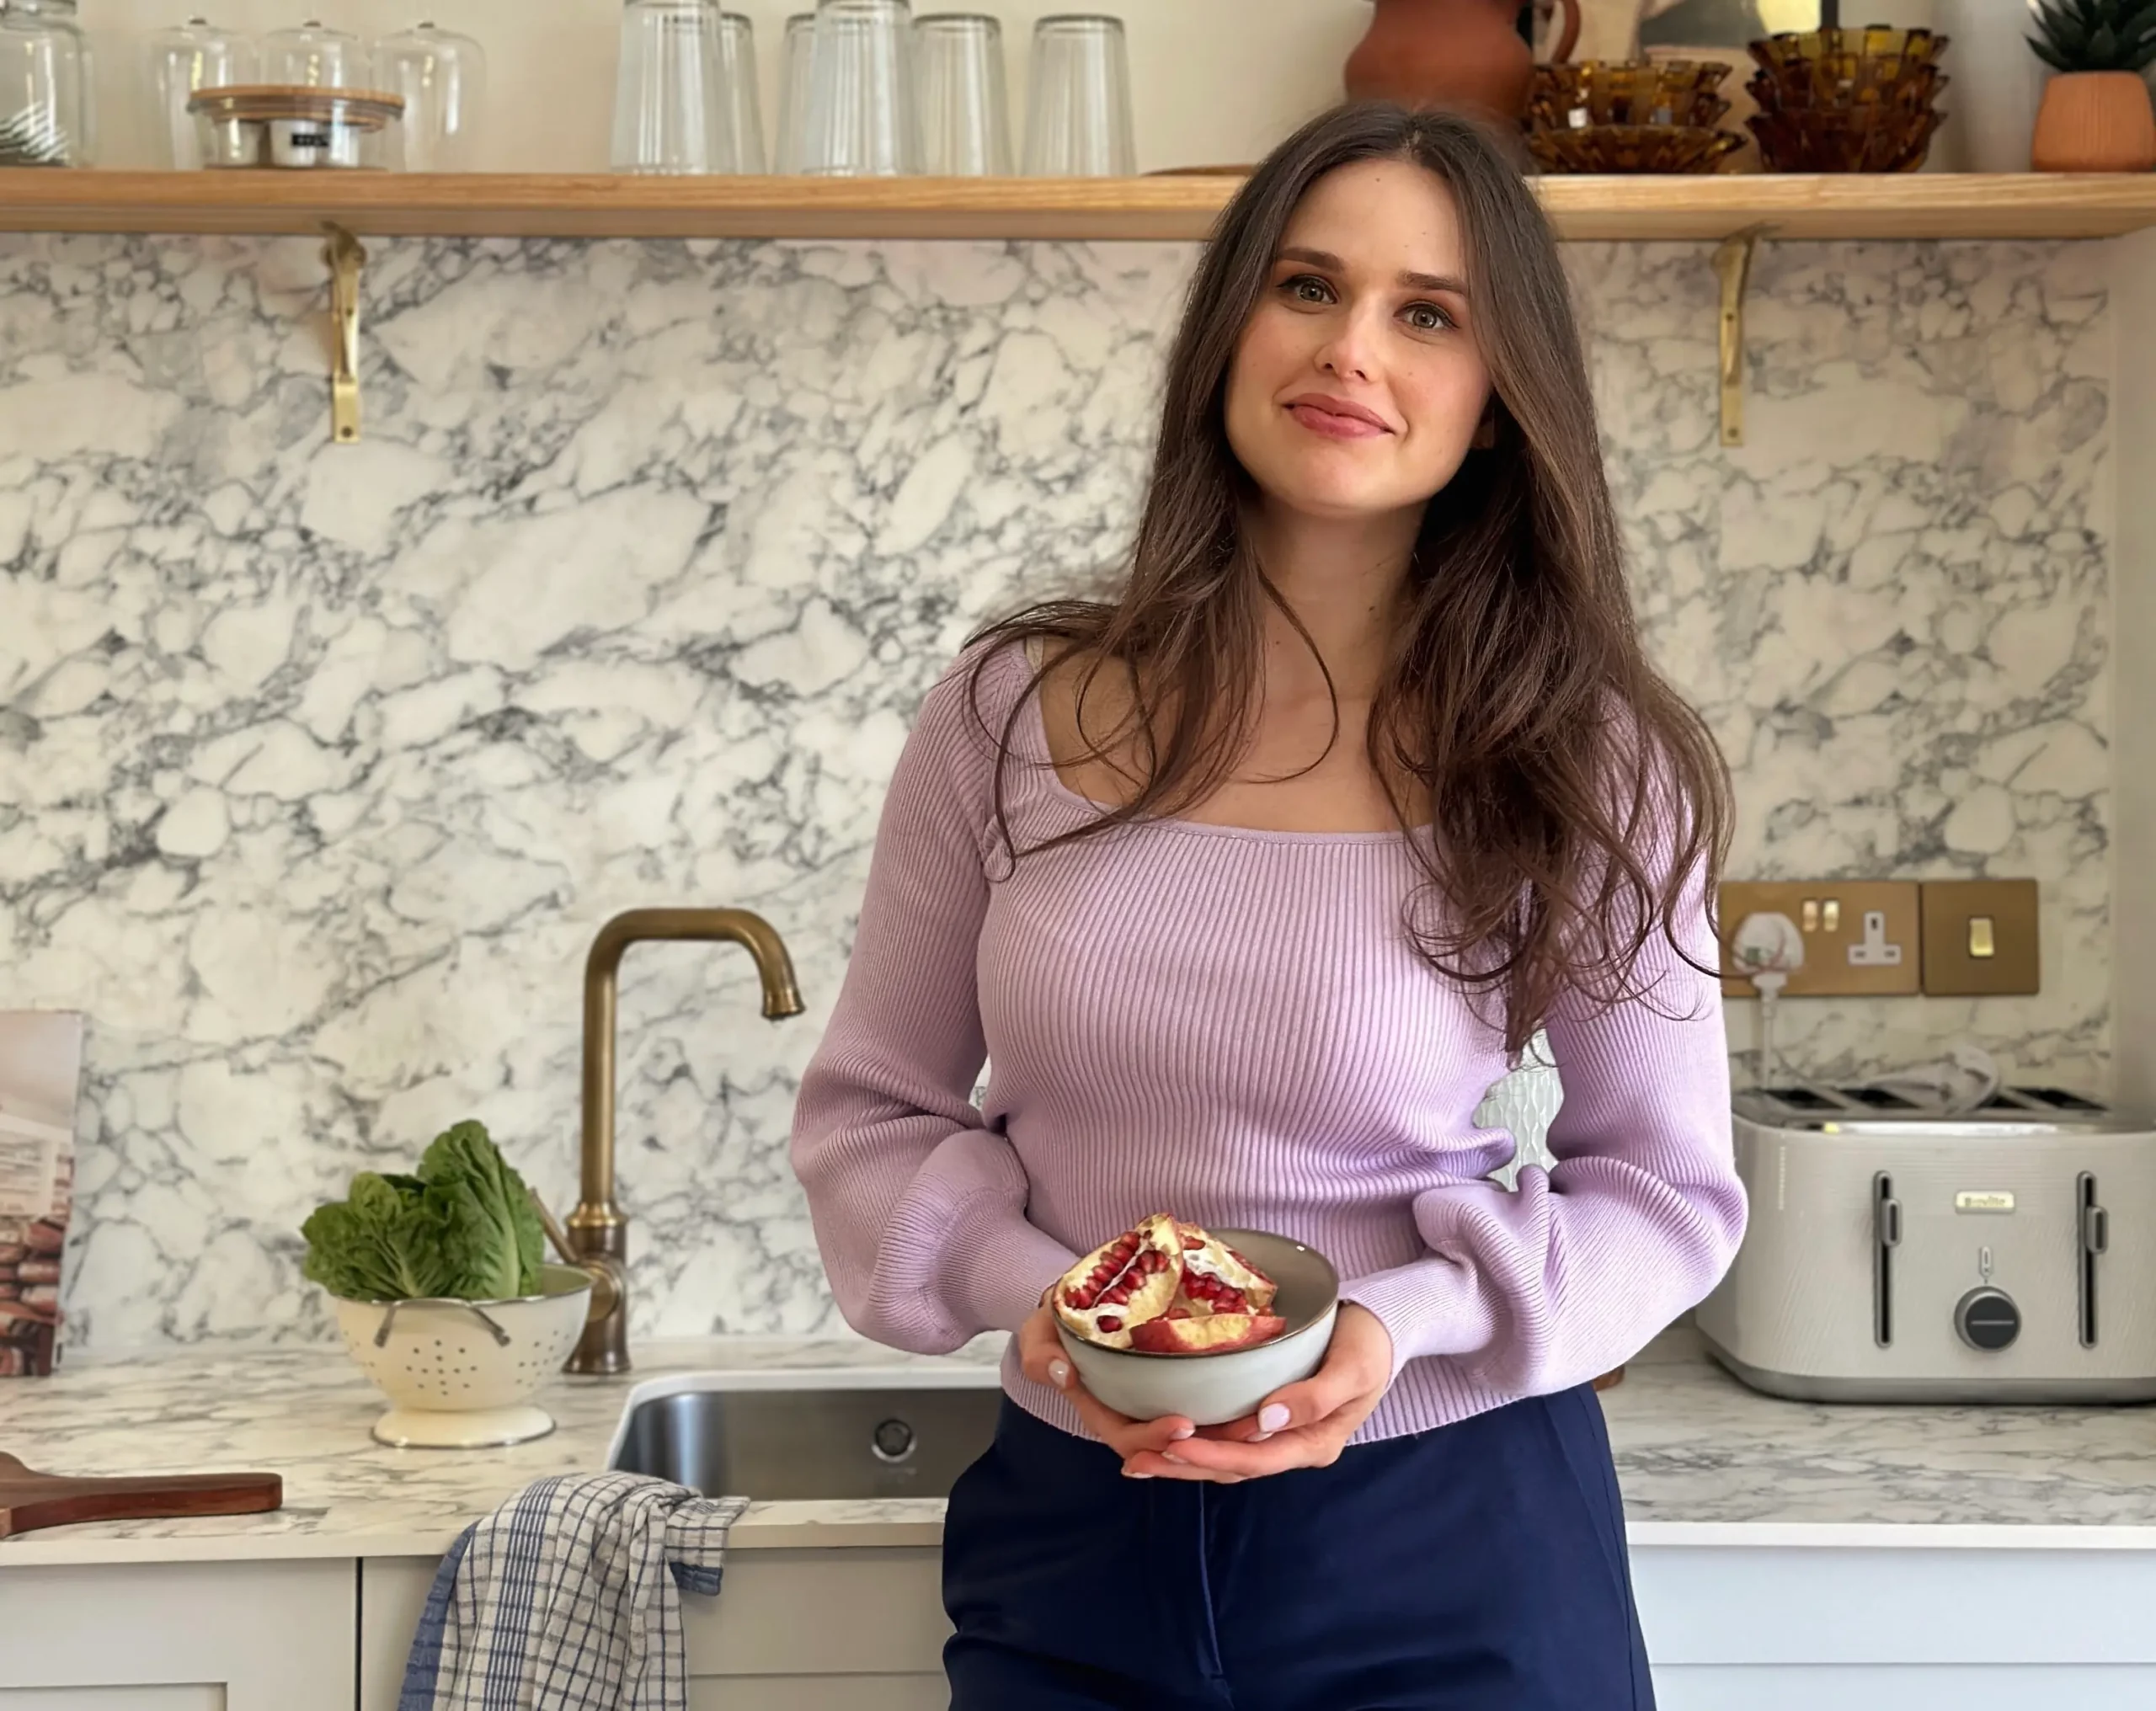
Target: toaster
(2004,1254)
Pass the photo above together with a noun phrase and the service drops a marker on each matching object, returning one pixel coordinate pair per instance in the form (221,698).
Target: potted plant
(2095,115)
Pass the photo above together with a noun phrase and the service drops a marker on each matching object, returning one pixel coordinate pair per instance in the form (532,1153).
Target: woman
(1248,883)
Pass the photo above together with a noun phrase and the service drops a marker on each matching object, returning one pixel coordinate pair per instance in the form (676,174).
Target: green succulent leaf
(2095,35)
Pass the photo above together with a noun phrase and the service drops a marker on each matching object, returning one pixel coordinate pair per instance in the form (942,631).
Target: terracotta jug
(1467,54)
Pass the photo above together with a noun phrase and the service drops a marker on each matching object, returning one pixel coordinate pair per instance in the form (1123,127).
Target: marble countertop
(1703,1461)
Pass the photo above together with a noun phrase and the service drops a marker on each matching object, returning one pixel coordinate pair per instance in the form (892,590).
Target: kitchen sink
(836,1434)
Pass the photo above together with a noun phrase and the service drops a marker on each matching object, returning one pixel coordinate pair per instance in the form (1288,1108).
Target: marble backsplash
(319,765)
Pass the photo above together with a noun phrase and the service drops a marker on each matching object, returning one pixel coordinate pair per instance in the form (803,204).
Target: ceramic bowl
(1213,1389)
(461,1374)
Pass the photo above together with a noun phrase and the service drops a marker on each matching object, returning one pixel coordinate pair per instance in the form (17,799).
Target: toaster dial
(1986,1319)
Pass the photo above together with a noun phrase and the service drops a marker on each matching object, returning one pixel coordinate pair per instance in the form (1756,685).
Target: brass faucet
(597,1229)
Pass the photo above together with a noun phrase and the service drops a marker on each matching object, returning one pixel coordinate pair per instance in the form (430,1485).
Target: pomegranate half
(1168,1287)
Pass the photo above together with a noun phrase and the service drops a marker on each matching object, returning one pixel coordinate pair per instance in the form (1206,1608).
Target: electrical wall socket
(1860,935)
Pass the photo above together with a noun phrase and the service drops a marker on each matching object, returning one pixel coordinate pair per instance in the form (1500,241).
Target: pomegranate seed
(1178,1313)
(1109,1321)
(1118,1295)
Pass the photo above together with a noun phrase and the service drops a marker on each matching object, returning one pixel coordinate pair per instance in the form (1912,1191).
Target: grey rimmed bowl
(1213,1389)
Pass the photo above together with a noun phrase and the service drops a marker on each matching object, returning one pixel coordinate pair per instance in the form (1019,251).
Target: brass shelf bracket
(1733,268)
(344,258)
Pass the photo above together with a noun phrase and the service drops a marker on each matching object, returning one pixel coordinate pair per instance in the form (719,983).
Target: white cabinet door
(270,1636)
(821,1630)
(908,1692)
(1974,1629)
(791,1630)
(393,1591)
(1906,1688)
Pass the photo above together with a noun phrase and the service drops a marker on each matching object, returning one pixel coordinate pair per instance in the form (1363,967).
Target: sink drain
(892,1441)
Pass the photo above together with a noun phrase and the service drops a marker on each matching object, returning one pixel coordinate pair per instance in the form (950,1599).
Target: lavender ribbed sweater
(1231,1024)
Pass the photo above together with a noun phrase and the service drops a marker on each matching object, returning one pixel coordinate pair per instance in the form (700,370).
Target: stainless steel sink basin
(864,1436)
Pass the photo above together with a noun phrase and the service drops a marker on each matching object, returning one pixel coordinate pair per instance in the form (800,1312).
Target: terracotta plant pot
(2094,122)
(1467,54)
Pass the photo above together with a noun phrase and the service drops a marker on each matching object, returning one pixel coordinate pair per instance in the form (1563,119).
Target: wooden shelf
(1908,206)
(1843,206)
(605,205)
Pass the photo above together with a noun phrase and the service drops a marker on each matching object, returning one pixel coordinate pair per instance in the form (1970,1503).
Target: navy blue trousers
(1478,1567)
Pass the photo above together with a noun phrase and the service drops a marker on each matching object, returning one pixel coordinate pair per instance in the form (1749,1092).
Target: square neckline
(1034,725)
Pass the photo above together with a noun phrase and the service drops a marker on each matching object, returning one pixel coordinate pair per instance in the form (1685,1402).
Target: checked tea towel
(567,1598)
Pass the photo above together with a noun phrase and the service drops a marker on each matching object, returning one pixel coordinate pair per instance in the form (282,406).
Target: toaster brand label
(1983,1200)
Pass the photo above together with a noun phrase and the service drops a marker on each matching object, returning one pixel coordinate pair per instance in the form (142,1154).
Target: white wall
(2134,643)
(1216,82)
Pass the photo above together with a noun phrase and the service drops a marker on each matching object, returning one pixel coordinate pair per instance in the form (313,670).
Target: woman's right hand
(1041,1358)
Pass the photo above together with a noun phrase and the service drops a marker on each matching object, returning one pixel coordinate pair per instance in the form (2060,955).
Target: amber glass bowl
(1843,68)
(1912,92)
(1629,116)
(1632,148)
(1846,100)
(1627,93)
(1865,140)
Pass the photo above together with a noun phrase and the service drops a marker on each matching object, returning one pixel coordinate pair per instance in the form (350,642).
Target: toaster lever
(1886,1236)
(2096,1236)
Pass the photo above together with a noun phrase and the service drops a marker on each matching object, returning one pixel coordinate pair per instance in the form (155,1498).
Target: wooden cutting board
(30,1498)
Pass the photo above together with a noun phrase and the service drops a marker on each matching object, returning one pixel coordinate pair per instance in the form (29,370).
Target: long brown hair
(1578,802)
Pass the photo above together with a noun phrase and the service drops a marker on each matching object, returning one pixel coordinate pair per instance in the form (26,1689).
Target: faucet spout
(597,1229)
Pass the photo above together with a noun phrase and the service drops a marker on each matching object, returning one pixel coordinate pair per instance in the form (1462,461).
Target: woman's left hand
(1304,1425)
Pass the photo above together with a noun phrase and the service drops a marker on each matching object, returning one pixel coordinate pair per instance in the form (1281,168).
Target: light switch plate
(1845,954)
(1960,916)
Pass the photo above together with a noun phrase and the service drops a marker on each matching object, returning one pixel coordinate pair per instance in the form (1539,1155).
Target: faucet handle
(606,1274)
(606,1277)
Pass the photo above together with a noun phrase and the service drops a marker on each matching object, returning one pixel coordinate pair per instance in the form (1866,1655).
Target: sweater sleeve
(919,1211)
(1536,1291)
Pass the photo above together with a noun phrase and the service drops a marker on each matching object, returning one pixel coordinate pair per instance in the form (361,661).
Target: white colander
(461,1374)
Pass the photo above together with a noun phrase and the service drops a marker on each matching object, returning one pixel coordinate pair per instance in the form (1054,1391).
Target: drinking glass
(442,76)
(793,89)
(737,118)
(176,62)
(315,57)
(48,110)
(668,91)
(861,121)
(965,122)
(1078,122)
